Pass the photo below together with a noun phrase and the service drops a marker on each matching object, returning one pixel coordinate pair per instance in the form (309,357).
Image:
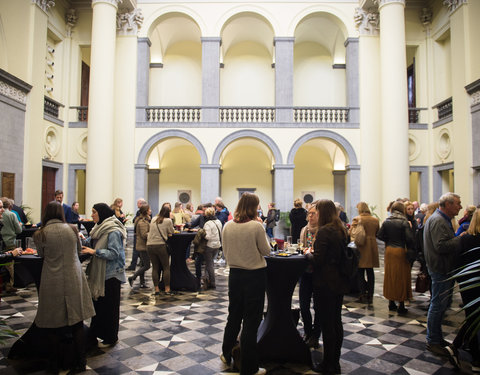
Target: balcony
(173,114)
(247,114)
(52,110)
(320,114)
(444,112)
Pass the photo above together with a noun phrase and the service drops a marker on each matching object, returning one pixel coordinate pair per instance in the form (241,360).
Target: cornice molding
(381,3)
(128,23)
(367,21)
(13,88)
(111,2)
(44,5)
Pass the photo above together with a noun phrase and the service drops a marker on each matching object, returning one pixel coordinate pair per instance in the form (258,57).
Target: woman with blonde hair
(368,251)
(116,206)
(397,235)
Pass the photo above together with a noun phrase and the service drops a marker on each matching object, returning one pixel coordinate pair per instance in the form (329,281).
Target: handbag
(422,284)
(169,249)
(359,235)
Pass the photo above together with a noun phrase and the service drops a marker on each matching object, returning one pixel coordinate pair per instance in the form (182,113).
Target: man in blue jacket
(67,210)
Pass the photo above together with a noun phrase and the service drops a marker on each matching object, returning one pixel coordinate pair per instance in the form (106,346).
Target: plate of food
(283,254)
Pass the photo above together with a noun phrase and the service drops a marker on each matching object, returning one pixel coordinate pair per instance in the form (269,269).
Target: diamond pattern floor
(182,334)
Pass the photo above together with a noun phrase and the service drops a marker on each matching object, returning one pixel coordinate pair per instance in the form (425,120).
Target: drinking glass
(31,243)
(289,240)
(18,243)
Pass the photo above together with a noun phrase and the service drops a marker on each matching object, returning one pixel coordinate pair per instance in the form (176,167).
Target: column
(100,104)
(394,117)
(283,186)
(154,190)
(284,78)
(141,180)
(210,182)
(370,104)
(210,80)
(353,196)
(339,186)
(125,94)
(352,68)
(143,76)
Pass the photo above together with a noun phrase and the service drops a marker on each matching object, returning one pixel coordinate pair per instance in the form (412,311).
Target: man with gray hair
(441,251)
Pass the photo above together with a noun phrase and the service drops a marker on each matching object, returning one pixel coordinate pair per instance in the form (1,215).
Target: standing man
(11,227)
(67,210)
(133,263)
(441,251)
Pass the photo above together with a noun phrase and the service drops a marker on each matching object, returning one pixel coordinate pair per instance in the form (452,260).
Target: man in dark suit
(67,210)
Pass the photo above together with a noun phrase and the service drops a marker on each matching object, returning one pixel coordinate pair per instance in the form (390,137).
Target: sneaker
(453,356)
(438,349)
(104,344)
(261,371)
(476,366)
(144,286)
(170,293)
(130,281)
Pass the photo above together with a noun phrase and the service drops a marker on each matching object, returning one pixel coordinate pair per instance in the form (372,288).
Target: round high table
(277,337)
(180,276)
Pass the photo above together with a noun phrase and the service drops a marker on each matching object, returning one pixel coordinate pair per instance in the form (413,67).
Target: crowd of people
(428,234)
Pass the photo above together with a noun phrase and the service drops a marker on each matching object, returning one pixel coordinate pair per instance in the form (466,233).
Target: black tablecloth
(278,338)
(27,270)
(180,276)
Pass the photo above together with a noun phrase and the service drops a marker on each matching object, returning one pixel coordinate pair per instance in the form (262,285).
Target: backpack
(349,261)
(277,215)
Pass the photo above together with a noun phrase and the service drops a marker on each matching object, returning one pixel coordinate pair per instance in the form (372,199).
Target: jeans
(246,296)
(144,267)
(269,232)
(441,299)
(209,255)
(305,295)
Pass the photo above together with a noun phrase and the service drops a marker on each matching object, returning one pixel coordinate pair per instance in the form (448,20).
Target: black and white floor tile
(182,334)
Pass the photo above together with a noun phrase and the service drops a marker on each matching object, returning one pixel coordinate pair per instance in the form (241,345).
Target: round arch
(243,9)
(152,141)
(343,19)
(337,138)
(151,22)
(247,134)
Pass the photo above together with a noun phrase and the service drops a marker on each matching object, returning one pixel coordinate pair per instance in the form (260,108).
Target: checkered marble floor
(182,334)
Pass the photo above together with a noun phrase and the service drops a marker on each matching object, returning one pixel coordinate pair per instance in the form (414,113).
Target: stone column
(125,94)
(283,186)
(370,104)
(210,182)
(153,190)
(339,186)
(141,180)
(101,103)
(143,76)
(352,75)
(353,182)
(210,79)
(394,118)
(284,79)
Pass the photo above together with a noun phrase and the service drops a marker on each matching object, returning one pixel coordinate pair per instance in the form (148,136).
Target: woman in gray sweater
(245,245)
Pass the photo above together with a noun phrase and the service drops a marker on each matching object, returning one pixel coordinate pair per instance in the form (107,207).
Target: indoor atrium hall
(113,108)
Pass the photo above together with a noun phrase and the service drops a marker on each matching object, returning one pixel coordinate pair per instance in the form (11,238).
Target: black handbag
(422,284)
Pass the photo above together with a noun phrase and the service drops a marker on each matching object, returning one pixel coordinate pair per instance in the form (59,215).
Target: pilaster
(283,186)
(284,78)
(352,74)
(210,182)
(210,79)
(339,186)
(143,76)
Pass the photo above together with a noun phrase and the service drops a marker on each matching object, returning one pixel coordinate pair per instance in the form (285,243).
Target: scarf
(398,216)
(96,269)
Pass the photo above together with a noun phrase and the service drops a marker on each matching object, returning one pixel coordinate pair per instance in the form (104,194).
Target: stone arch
(247,134)
(152,141)
(329,135)
(152,21)
(343,20)
(247,9)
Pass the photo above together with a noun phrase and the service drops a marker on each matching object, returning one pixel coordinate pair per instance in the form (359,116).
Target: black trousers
(329,307)
(106,321)
(366,287)
(305,295)
(246,297)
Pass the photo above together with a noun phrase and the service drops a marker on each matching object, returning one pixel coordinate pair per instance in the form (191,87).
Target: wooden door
(8,185)
(48,185)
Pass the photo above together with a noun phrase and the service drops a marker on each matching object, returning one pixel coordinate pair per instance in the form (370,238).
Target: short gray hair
(447,197)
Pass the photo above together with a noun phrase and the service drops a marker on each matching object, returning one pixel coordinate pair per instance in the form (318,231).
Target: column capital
(111,2)
(381,3)
(426,15)
(71,19)
(283,39)
(452,5)
(339,173)
(367,21)
(128,23)
(45,5)
(210,166)
(211,39)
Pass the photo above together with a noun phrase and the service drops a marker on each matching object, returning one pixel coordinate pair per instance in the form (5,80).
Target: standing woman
(397,235)
(64,299)
(368,251)
(117,208)
(298,219)
(142,226)
(213,229)
(270,220)
(329,283)
(245,246)
(105,272)
(161,228)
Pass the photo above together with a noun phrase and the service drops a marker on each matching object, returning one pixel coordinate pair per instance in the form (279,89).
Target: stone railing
(414,115)
(173,114)
(320,114)
(444,109)
(51,107)
(82,113)
(247,114)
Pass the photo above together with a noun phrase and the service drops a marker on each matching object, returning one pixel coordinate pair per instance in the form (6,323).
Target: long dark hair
(327,215)
(54,210)
(164,213)
(246,208)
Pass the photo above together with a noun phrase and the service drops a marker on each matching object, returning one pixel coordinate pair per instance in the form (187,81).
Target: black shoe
(130,268)
(130,281)
(402,311)
(392,306)
(438,349)
(453,356)
(144,286)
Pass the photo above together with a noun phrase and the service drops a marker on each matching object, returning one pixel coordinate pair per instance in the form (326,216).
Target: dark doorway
(48,185)
(8,185)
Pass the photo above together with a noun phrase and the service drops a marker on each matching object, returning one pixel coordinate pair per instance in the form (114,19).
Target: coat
(298,219)
(142,226)
(64,296)
(368,251)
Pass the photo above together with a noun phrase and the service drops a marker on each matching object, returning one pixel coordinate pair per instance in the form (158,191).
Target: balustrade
(444,109)
(247,114)
(319,114)
(51,107)
(173,114)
